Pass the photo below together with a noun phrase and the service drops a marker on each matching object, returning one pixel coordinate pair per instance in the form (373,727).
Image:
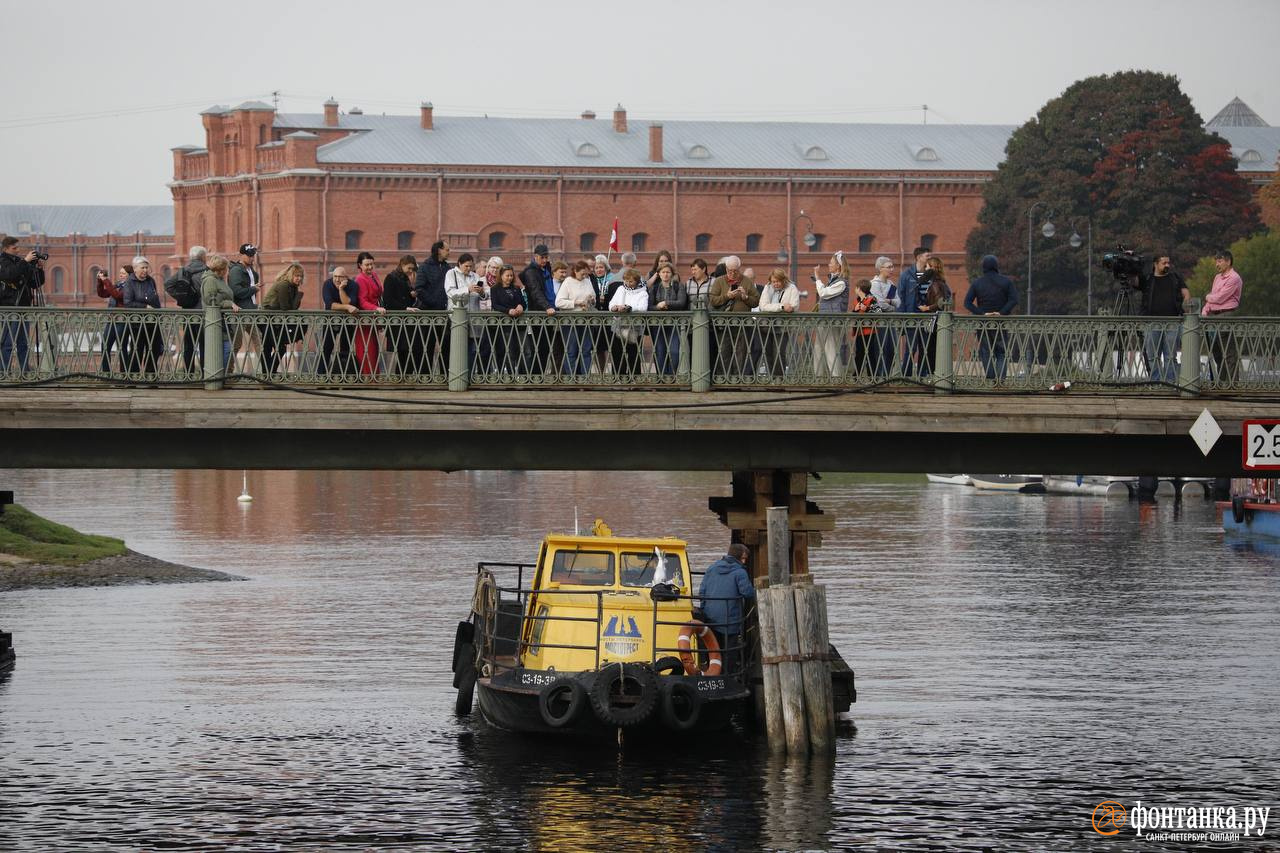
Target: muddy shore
(127,568)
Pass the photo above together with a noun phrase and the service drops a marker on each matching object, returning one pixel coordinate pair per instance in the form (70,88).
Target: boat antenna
(575,519)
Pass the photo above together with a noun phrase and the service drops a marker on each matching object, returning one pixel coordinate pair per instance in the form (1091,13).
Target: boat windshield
(589,568)
(640,569)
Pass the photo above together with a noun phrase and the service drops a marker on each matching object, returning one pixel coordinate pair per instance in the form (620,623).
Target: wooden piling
(811,617)
(790,672)
(773,723)
(779,537)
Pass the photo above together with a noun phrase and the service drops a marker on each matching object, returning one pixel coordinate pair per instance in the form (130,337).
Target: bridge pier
(745,513)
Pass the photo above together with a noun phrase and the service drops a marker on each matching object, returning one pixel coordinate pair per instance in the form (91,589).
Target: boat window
(589,568)
(638,569)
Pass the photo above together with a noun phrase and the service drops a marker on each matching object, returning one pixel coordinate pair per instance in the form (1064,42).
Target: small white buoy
(245,497)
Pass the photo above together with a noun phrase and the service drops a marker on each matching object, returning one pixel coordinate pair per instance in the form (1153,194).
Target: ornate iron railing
(696,350)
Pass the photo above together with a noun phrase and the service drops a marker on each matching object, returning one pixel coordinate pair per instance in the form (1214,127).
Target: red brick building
(321,187)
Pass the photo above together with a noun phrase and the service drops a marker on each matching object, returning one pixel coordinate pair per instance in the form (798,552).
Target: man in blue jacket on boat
(724,586)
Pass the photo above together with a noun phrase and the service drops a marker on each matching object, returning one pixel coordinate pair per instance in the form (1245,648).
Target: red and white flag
(613,236)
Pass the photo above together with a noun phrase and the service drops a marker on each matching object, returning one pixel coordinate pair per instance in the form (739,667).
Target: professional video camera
(1123,263)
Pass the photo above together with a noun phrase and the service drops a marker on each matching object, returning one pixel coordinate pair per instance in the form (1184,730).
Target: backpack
(182,289)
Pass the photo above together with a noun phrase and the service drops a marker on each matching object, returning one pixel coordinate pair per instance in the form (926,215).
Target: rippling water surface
(1018,659)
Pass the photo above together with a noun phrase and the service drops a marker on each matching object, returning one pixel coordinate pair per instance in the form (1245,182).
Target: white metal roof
(92,220)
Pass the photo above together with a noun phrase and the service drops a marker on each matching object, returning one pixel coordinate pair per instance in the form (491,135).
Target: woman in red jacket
(114,332)
(368,298)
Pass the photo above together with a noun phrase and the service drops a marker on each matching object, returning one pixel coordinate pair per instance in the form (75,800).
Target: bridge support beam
(1189,369)
(745,513)
(214,369)
(700,343)
(943,369)
(459,337)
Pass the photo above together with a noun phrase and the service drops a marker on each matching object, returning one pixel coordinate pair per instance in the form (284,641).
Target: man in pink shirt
(1223,299)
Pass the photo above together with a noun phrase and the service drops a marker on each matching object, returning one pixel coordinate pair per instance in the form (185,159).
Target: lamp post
(1075,244)
(1048,231)
(810,240)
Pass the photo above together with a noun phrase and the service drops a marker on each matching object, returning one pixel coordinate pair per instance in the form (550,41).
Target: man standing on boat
(723,588)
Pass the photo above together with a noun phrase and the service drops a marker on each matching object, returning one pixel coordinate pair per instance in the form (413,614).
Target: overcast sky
(100,91)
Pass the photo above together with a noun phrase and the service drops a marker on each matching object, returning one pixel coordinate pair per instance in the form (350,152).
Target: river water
(1019,660)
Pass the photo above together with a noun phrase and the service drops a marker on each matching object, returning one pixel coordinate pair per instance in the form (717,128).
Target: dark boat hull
(508,705)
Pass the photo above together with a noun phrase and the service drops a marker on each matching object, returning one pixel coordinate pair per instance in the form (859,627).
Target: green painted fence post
(213,367)
(459,337)
(700,361)
(1189,369)
(943,361)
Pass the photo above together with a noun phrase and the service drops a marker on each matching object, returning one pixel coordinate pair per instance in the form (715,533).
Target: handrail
(693,350)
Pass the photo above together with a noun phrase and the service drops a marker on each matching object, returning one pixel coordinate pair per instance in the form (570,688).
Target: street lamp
(810,240)
(1048,231)
(1075,244)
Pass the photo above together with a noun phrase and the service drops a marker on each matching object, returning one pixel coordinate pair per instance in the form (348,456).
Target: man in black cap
(541,290)
(243,279)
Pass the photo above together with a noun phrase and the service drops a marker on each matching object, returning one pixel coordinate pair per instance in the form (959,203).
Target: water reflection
(1012,653)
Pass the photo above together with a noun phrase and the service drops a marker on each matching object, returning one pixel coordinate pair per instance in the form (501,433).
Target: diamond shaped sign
(1205,432)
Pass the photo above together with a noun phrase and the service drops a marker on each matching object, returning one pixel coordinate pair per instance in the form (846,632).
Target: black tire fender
(561,701)
(466,684)
(638,683)
(668,665)
(464,663)
(1238,512)
(681,704)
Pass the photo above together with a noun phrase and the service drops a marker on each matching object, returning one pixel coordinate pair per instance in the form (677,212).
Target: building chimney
(619,119)
(331,113)
(589,115)
(655,143)
(426,115)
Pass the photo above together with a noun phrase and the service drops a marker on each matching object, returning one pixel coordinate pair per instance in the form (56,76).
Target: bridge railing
(696,350)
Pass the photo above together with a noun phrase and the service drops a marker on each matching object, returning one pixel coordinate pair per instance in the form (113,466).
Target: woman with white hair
(885,291)
(145,345)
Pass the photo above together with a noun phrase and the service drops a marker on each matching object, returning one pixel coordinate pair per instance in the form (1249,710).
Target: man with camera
(1163,294)
(20,277)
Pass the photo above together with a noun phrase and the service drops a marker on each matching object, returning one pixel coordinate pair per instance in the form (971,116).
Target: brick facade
(260,183)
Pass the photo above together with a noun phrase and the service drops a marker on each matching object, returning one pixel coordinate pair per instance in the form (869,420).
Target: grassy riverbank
(26,536)
(36,553)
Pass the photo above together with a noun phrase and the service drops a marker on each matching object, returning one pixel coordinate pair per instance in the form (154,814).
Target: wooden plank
(773,722)
(799,483)
(779,542)
(811,619)
(790,672)
(742,519)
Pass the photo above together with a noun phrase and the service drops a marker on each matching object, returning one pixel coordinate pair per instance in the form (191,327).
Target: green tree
(1128,152)
(1257,259)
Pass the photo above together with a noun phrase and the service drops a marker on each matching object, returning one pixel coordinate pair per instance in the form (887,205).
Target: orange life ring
(706,641)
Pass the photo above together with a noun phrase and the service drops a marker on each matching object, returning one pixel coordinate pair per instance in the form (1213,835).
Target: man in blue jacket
(723,588)
(912,290)
(991,295)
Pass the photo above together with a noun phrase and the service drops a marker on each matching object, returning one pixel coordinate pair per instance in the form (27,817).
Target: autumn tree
(1128,152)
(1269,200)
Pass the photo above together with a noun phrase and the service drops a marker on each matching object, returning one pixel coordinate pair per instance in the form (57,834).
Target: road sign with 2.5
(1261,445)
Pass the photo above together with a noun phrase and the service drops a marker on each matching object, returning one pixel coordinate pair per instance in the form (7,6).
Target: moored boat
(7,656)
(1090,484)
(1253,511)
(950,479)
(600,635)
(1024,483)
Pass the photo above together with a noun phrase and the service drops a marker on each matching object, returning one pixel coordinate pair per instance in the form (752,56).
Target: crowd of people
(592,284)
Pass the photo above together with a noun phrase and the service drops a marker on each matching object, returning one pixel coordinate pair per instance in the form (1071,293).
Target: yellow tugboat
(599,635)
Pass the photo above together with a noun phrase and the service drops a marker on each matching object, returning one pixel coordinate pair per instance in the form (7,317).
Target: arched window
(404,241)
(353,240)
(927,241)
(587,242)
(276,230)
(93,276)
(866,242)
(702,243)
(59,279)
(235,225)
(201,237)
(496,239)
(753,242)
(638,241)
(818,240)
(262,134)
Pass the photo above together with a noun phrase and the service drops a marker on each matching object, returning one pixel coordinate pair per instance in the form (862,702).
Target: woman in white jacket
(576,295)
(631,297)
(779,296)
